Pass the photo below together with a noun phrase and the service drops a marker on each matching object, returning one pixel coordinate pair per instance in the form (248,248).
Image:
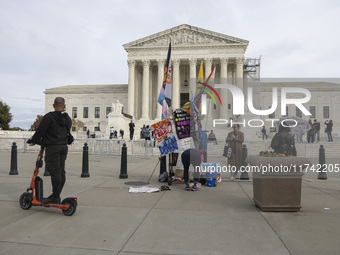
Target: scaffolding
(251,69)
(251,77)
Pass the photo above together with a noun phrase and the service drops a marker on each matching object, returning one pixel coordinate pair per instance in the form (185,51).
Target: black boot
(51,200)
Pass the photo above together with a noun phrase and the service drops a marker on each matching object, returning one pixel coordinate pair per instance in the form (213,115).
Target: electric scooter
(34,194)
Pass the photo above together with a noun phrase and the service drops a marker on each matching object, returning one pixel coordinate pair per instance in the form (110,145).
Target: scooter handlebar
(31,142)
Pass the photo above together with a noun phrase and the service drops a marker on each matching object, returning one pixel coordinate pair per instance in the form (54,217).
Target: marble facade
(146,60)
(190,45)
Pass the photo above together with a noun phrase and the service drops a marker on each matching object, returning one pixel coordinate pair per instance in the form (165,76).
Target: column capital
(239,61)
(131,62)
(161,62)
(224,61)
(146,62)
(193,61)
(176,61)
(207,61)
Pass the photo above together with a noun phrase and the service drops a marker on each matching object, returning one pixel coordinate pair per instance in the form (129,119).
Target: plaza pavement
(110,220)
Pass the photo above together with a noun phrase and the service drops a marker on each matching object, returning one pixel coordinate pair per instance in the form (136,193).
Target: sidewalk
(109,220)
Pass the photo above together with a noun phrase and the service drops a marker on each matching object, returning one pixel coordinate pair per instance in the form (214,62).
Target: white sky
(51,43)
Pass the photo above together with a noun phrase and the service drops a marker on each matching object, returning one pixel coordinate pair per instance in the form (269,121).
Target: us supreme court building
(146,57)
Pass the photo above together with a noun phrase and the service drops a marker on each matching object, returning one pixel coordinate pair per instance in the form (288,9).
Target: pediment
(185,35)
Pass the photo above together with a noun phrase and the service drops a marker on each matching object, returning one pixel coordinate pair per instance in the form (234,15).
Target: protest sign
(182,124)
(165,137)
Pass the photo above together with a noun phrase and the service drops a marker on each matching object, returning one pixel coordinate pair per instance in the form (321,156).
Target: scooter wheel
(71,209)
(25,201)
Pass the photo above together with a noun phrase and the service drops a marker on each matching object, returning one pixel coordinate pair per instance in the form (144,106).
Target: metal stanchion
(85,167)
(322,161)
(14,160)
(244,173)
(123,164)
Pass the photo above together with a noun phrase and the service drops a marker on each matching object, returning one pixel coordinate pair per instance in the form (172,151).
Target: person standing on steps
(264,133)
(316,126)
(329,128)
(131,129)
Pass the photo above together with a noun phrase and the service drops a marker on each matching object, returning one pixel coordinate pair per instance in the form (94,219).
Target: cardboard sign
(182,124)
(165,137)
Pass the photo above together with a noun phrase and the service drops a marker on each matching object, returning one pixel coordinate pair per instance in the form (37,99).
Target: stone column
(192,80)
(154,92)
(131,88)
(239,73)
(207,64)
(175,84)
(224,92)
(145,95)
(160,64)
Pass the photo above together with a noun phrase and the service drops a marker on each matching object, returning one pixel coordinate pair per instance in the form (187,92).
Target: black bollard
(14,160)
(123,164)
(322,161)
(85,167)
(244,173)
(162,168)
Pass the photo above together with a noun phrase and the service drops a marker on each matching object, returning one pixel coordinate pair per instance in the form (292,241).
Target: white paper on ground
(144,189)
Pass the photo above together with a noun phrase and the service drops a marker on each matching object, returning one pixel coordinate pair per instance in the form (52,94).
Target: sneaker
(194,188)
(187,188)
(51,200)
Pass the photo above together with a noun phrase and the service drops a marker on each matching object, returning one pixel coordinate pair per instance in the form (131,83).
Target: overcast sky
(51,43)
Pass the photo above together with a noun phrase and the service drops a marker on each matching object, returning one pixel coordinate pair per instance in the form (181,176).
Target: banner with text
(165,137)
(182,124)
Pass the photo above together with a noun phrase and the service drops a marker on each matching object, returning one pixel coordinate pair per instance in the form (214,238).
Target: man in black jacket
(283,142)
(53,132)
(132,129)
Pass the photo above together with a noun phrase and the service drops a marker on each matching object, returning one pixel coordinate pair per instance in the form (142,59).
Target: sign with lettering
(182,124)
(165,137)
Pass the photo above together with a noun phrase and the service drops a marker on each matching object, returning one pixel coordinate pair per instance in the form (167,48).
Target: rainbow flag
(208,89)
(202,88)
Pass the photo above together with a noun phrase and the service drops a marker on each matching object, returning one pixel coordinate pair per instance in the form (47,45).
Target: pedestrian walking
(329,128)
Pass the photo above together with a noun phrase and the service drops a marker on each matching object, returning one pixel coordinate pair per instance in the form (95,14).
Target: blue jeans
(317,134)
(329,134)
(310,138)
(298,138)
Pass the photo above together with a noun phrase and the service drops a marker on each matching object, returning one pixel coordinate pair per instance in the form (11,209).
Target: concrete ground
(110,220)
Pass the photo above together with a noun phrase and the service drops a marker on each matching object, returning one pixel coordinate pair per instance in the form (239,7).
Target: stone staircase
(303,149)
